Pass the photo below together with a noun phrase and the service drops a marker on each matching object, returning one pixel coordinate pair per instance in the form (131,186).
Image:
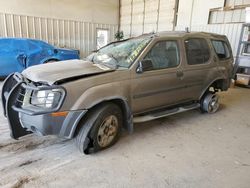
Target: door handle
(179,74)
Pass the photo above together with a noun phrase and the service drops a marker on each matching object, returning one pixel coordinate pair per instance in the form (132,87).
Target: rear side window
(197,51)
(221,49)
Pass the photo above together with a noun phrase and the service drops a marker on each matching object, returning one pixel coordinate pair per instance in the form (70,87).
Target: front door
(162,84)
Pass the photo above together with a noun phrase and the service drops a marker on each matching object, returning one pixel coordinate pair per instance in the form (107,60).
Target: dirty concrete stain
(21,181)
(28,162)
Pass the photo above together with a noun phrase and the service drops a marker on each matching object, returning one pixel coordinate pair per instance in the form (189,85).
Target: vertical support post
(158,15)
(144,12)
(176,7)
(58,32)
(84,31)
(119,14)
(40,28)
(79,34)
(89,37)
(46,30)
(63,33)
(13,25)
(20,26)
(74,33)
(131,20)
(34,27)
(5,25)
(52,31)
(69,33)
(27,26)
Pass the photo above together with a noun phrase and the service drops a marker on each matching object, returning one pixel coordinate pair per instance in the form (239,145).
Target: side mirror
(145,65)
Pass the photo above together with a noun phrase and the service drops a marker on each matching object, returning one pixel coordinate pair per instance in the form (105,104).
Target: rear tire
(101,130)
(210,103)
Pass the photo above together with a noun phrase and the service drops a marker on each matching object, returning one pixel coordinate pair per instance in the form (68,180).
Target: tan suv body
(134,80)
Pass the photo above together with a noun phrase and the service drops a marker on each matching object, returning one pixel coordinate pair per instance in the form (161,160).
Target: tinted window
(221,49)
(164,54)
(197,51)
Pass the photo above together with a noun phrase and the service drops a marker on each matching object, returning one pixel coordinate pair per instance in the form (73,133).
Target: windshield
(120,54)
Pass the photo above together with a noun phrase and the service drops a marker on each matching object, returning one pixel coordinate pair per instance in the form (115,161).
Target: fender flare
(204,91)
(121,102)
(127,113)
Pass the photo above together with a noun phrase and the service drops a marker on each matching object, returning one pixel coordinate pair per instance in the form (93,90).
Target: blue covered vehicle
(16,54)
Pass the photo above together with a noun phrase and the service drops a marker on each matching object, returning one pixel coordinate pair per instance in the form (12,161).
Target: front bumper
(47,124)
(25,120)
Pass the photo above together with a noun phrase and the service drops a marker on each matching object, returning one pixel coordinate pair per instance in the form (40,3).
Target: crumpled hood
(63,70)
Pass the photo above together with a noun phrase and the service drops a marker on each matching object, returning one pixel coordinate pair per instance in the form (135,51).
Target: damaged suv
(125,82)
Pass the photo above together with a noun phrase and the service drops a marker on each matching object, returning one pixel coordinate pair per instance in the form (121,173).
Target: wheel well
(126,113)
(215,86)
(220,84)
(52,59)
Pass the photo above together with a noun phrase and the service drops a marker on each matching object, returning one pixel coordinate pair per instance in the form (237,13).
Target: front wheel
(106,122)
(210,103)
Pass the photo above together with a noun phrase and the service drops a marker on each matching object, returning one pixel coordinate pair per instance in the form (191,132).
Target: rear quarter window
(197,51)
(221,49)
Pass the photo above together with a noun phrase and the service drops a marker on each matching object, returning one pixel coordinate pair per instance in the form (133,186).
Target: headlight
(46,98)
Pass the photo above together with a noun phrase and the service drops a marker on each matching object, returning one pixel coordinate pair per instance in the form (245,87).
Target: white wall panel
(94,11)
(125,17)
(61,33)
(166,15)
(138,14)
(222,22)
(196,12)
(144,16)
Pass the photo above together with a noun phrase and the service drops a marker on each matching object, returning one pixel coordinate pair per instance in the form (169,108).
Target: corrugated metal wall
(144,16)
(58,32)
(232,31)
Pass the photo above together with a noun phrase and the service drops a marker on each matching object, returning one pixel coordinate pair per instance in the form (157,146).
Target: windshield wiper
(113,57)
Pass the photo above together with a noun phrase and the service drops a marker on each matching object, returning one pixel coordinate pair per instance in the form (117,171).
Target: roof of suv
(182,34)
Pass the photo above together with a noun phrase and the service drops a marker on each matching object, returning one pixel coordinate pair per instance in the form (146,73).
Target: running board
(164,113)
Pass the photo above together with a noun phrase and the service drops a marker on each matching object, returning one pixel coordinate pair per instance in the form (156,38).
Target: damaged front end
(21,96)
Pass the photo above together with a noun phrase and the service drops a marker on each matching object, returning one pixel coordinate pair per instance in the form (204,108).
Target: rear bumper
(23,121)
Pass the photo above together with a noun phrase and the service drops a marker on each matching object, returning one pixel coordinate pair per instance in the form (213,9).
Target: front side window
(197,51)
(164,54)
(221,49)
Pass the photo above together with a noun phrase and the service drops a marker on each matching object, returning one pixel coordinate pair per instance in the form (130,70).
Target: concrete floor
(186,150)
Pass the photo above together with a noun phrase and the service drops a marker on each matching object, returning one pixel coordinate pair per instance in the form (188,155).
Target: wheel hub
(107,131)
(211,103)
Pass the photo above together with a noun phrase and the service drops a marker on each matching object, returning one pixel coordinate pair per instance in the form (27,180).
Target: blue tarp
(17,54)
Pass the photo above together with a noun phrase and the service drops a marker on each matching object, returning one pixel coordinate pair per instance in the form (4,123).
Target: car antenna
(187,29)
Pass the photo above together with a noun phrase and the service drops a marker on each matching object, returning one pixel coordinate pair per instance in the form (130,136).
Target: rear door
(161,85)
(199,65)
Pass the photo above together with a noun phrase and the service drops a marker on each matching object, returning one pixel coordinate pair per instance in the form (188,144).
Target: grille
(20,97)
